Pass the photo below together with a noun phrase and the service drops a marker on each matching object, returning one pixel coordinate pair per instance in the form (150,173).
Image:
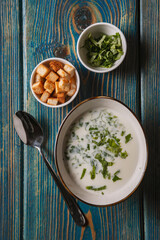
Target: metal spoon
(31,133)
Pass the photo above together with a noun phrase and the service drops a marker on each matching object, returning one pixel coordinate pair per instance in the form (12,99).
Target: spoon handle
(74,209)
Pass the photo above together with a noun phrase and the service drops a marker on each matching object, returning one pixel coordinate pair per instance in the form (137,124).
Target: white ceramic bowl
(77,82)
(139,164)
(95,30)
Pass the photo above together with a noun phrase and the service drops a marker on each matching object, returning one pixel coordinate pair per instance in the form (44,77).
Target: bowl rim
(104,70)
(56,157)
(77,81)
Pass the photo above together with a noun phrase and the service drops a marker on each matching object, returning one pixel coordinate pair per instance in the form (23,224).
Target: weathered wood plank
(11,155)
(150,92)
(51,27)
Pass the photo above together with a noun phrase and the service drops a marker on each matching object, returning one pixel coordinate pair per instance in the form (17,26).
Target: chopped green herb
(93,172)
(114,147)
(110,164)
(124,154)
(95,142)
(88,146)
(96,189)
(122,133)
(92,128)
(105,165)
(118,171)
(128,138)
(115,177)
(104,50)
(83,173)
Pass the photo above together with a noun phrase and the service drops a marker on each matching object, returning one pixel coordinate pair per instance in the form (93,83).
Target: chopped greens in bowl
(101,47)
(104,50)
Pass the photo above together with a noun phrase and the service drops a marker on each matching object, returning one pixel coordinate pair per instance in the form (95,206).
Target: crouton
(73,86)
(63,74)
(73,80)
(71,92)
(55,65)
(69,69)
(52,101)
(57,88)
(64,84)
(61,97)
(49,86)
(52,76)
(73,83)
(38,87)
(54,94)
(42,70)
(38,78)
(45,96)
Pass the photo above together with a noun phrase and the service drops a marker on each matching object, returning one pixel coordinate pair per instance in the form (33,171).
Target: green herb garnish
(93,172)
(105,165)
(83,173)
(124,154)
(115,177)
(104,50)
(96,189)
(122,133)
(114,146)
(128,138)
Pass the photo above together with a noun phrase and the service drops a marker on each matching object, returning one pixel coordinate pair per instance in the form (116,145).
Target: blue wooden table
(31,206)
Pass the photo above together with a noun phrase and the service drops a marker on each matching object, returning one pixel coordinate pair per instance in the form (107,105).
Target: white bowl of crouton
(55,82)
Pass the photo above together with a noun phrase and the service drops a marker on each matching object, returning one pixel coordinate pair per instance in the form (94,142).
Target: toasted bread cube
(45,96)
(69,69)
(42,70)
(54,94)
(38,78)
(73,83)
(38,88)
(73,86)
(57,88)
(63,74)
(52,77)
(56,65)
(61,97)
(71,92)
(73,80)
(64,84)
(52,101)
(49,86)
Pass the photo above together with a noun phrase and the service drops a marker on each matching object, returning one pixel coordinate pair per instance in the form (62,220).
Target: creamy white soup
(100,151)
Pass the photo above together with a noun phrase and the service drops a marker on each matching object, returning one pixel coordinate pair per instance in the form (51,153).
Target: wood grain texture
(11,155)
(51,28)
(31,206)
(150,92)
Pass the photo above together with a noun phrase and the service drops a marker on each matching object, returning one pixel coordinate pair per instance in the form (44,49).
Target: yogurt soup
(100,151)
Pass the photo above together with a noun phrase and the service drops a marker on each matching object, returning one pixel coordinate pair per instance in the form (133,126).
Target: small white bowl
(137,158)
(77,82)
(95,29)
